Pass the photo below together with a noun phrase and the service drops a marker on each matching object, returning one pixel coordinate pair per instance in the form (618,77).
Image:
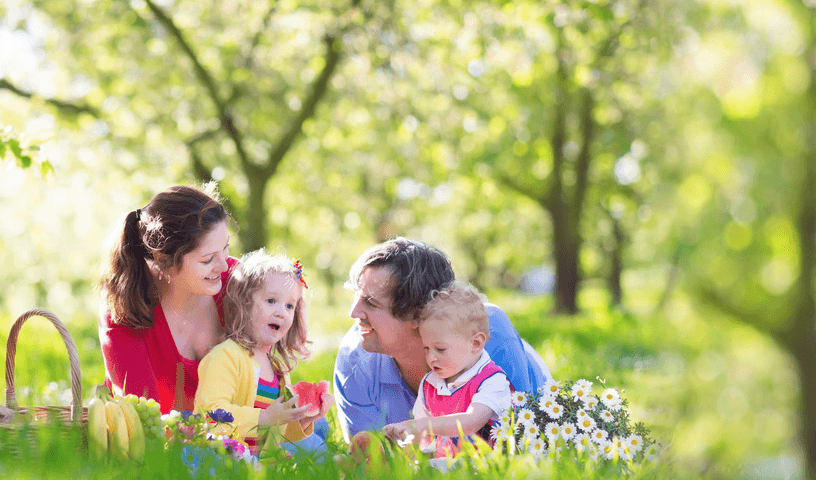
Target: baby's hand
(280,412)
(398,431)
(326,403)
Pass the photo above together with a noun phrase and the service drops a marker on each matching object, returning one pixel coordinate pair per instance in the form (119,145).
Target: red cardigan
(147,361)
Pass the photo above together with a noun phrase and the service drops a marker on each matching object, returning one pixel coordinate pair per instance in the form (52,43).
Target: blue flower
(192,458)
(221,416)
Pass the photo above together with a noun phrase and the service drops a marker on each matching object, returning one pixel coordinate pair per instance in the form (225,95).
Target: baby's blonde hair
(245,280)
(460,304)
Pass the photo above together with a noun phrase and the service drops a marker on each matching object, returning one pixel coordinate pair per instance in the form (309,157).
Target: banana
(136,434)
(117,430)
(97,428)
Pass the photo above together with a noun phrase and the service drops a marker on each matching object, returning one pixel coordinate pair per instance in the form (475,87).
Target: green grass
(720,396)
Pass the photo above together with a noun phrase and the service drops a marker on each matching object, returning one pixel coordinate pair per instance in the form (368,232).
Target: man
(381,361)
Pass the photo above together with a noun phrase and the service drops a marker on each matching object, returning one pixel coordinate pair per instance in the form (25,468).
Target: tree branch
(64,106)
(541,198)
(206,79)
(319,88)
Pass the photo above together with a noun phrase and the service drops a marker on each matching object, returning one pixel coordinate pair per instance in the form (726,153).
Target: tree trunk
(616,271)
(566,252)
(254,230)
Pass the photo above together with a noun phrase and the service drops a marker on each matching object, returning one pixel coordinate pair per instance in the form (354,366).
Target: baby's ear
(478,341)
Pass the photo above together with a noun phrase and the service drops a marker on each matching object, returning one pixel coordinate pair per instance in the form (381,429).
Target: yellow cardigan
(228,378)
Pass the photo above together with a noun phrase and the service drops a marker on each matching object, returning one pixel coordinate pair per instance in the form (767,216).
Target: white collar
(444,388)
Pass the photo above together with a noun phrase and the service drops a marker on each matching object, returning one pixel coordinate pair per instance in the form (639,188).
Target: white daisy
(537,447)
(552,431)
(579,394)
(583,442)
(519,398)
(545,402)
(608,450)
(587,424)
(606,416)
(526,416)
(635,442)
(531,430)
(568,431)
(503,435)
(594,452)
(587,385)
(652,451)
(551,387)
(611,398)
(590,403)
(506,418)
(555,411)
(625,452)
(493,432)
(599,436)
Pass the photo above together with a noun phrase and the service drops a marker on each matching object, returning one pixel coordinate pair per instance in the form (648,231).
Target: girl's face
(449,352)
(274,306)
(201,270)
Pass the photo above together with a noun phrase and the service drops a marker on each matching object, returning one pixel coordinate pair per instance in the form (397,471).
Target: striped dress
(266,393)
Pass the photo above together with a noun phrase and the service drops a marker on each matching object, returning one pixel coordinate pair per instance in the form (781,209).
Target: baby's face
(449,352)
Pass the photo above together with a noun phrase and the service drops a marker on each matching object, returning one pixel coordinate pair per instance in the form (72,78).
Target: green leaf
(14,145)
(2,148)
(46,167)
(25,161)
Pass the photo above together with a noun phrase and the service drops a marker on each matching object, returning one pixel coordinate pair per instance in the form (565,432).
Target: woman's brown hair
(246,279)
(170,226)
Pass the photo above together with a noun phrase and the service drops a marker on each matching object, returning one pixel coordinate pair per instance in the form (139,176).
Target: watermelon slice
(308,393)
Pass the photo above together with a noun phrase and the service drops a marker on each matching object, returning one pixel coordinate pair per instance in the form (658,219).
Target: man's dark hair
(417,269)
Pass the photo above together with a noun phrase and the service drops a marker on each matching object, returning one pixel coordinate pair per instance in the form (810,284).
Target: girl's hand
(326,404)
(280,412)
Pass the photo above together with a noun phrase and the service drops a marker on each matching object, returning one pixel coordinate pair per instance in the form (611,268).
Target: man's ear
(478,341)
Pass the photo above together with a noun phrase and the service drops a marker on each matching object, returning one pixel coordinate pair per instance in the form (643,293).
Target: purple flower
(221,416)
(187,414)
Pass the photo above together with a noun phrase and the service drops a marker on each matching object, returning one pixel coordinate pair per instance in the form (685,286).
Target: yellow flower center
(580,393)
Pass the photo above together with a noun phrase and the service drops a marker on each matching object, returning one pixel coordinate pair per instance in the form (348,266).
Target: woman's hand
(326,403)
(280,412)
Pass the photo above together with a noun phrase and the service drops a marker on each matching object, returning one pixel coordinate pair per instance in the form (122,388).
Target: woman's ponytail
(128,284)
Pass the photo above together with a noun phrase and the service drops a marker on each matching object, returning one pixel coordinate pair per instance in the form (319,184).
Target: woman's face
(201,270)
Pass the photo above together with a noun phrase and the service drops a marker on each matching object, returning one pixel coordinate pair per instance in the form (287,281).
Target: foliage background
(693,124)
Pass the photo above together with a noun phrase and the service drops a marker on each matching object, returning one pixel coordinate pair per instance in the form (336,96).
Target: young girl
(265,335)
(464,387)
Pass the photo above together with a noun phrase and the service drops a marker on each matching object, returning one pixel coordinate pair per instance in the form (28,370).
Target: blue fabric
(312,447)
(370,392)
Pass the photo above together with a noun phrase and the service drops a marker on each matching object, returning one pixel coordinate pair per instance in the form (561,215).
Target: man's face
(380,331)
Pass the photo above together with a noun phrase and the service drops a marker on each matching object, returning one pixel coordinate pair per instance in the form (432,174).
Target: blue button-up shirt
(370,391)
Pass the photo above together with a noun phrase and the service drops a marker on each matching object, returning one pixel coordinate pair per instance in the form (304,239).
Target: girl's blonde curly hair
(245,280)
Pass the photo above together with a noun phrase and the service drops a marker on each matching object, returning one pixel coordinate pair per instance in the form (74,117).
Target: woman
(162,291)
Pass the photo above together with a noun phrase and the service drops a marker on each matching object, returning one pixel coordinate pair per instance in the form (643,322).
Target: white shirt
(494,392)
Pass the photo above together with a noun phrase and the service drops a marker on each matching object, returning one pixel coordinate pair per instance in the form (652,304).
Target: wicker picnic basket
(74,415)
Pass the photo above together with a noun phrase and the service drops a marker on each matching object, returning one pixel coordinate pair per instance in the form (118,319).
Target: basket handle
(73,358)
